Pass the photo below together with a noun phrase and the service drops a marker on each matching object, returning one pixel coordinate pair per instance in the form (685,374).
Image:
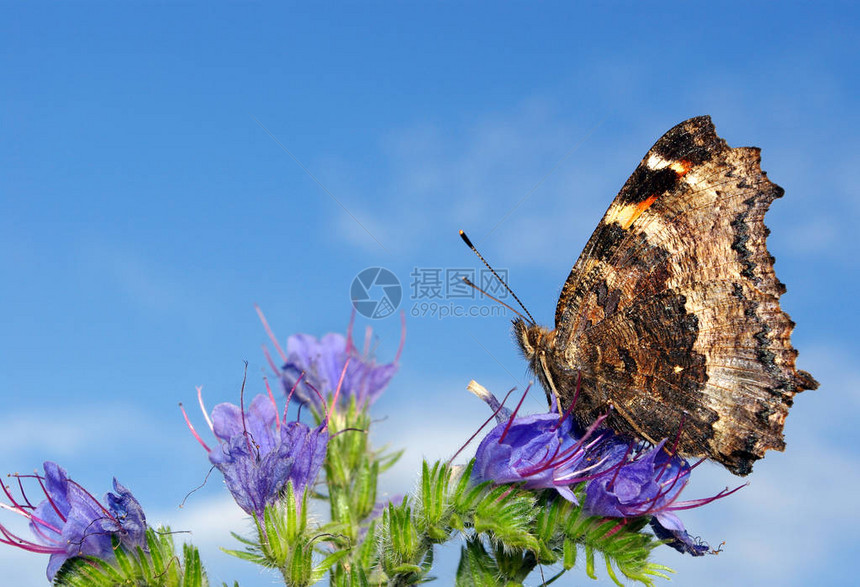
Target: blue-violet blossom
(624,479)
(258,452)
(649,485)
(313,367)
(541,451)
(71,522)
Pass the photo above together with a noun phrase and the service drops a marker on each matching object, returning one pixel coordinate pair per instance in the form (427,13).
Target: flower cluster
(268,459)
(623,478)
(647,483)
(313,368)
(540,450)
(71,522)
(259,452)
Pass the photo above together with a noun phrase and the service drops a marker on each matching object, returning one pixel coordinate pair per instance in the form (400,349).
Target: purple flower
(315,367)
(649,484)
(71,522)
(638,487)
(541,451)
(623,478)
(258,452)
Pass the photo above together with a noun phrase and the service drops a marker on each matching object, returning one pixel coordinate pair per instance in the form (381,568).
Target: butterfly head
(529,337)
(534,340)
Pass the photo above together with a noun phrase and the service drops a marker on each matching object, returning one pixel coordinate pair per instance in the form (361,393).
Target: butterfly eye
(525,338)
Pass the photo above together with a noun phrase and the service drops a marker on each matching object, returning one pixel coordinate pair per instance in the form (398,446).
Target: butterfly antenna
(502,281)
(468,282)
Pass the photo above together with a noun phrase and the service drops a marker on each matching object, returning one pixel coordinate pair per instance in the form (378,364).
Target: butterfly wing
(672,310)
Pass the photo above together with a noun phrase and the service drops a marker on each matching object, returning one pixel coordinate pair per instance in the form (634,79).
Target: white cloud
(435,180)
(147,282)
(788,525)
(24,433)
(22,568)
(208,521)
(439,183)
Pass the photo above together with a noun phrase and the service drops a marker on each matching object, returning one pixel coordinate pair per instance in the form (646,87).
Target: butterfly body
(670,318)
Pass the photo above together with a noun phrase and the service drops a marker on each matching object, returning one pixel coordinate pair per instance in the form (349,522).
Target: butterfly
(669,322)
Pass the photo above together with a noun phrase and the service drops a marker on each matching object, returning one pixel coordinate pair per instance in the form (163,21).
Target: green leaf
(248,556)
(514,565)
(476,568)
(589,561)
(569,552)
(159,566)
(508,513)
(321,569)
(388,460)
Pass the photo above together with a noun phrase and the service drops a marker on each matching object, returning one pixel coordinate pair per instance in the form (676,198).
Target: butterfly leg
(629,419)
(548,377)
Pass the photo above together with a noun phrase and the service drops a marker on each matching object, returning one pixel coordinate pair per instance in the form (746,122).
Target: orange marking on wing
(637,211)
(681,167)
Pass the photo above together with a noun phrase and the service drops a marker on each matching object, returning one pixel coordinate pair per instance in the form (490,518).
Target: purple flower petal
(71,522)
(623,478)
(129,512)
(320,363)
(258,454)
(678,537)
(539,451)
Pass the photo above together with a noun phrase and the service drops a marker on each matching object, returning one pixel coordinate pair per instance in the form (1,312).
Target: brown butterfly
(670,317)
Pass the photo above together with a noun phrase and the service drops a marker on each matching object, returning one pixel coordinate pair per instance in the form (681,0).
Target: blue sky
(148,198)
